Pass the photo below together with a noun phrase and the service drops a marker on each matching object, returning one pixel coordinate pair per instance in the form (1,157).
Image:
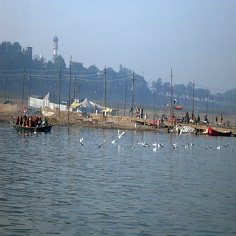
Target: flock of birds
(157,146)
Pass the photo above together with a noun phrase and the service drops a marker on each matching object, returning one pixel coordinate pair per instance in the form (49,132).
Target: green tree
(59,63)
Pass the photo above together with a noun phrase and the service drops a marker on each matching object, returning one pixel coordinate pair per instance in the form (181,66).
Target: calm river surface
(51,184)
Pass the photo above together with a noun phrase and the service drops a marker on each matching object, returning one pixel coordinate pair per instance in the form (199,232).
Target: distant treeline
(36,76)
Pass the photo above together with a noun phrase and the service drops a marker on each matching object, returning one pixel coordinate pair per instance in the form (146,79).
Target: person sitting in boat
(17,120)
(24,120)
(39,124)
(21,121)
(30,121)
(45,121)
(27,122)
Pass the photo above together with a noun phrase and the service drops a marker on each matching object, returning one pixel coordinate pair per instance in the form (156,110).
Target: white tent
(85,106)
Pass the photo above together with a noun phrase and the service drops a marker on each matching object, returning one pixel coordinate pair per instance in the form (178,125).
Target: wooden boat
(178,107)
(31,129)
(214,132)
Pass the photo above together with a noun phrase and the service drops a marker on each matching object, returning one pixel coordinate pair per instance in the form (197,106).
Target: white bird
(176,101)
(113,141)
(81,141)
(154,149)
(154,144)
(145,145)
(120,134)
(175,145)
(218,147)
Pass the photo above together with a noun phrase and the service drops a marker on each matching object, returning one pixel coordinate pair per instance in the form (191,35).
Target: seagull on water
(218,147)
(120,134)
(145,144)
(174,145)
(81,141)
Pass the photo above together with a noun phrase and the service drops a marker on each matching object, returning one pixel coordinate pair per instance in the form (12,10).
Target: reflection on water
(51,184)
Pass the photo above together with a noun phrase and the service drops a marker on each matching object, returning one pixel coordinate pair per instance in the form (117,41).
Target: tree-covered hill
(37,76)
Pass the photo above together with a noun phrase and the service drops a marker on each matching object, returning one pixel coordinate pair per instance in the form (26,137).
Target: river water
(51,184)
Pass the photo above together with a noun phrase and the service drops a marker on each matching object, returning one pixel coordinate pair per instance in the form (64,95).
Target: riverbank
(10,111)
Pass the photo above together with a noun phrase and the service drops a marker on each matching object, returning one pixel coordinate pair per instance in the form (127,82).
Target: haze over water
(51,184)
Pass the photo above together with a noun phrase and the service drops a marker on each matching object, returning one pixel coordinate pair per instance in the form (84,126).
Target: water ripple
(51,184)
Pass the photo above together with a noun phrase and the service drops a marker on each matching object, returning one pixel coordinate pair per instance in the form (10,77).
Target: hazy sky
(197,38)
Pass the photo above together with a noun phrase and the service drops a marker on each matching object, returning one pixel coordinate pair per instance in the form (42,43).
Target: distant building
(55,47)
(28,51)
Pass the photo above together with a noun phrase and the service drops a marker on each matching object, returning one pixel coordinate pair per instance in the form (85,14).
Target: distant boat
(31,129)
(178,107)
(214,132)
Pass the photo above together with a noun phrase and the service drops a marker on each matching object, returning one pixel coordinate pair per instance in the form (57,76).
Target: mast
(23,92)
(29,79)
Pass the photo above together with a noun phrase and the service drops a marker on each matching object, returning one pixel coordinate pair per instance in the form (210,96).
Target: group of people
(221,119)
(29,121)
(197,120)
(194,119)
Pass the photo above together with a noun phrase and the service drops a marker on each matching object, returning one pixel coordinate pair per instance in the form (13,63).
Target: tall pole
(105,87)
(29,78)
(125,96)
(6,89)
(132,104)
(59,94)
(23,91)
(207,103)
(74,85)
(193,98)
(69,93)
(154,103)
(171,94)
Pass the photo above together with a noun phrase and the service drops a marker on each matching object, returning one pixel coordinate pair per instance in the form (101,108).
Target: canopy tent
(91,107)
(84,106)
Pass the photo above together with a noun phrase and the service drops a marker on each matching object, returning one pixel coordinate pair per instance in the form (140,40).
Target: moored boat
(214,132)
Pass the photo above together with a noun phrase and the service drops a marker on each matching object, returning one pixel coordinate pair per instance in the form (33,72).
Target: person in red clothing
(17,120)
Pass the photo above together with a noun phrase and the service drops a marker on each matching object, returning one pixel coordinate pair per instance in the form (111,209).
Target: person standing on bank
(221,119)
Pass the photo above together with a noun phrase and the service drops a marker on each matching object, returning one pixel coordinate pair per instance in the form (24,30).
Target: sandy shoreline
(9,111)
